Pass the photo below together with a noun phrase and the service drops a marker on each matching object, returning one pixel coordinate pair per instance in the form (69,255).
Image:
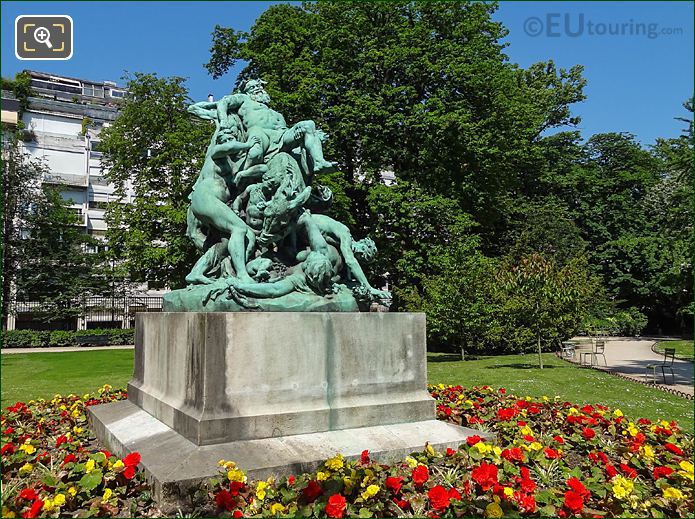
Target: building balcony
(66,179)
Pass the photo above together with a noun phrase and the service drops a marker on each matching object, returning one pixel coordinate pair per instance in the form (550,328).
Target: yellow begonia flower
(77,430)
(321,476)
(673,493)
(526,431)
(260,490)
(618,413)
(89,466)
(118,464)
(648,452)
(536,446)
(349,483)
(62,407)
(469,402)
(412,462)
(441,386)
(687,469)
(28,448)
(27,467)
(430,450)
(508,491)
(75,413)
(236,475)
(497,451)
(276,508)
(483,448)
(335,463)
(371,491)
(107,495)
(48,505)
(574,410)
(632,429)
(622,487)
(59,500)
(545,399)
(493,510)
(6,512)
(72,491)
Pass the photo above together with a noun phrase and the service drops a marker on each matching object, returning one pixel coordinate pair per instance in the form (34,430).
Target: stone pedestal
(275,392)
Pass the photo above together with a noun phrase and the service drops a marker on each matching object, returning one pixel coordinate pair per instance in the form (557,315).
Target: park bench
(93,340)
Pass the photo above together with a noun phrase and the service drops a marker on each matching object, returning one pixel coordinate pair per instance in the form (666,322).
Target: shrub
(57,338)
(628,322)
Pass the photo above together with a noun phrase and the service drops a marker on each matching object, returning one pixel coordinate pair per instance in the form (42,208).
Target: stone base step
(174,464)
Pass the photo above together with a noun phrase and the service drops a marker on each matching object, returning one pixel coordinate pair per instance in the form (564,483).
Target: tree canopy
(505,224)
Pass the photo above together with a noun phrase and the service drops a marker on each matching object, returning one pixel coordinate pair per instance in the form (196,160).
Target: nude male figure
(335,234)
(211,194)
(268,126)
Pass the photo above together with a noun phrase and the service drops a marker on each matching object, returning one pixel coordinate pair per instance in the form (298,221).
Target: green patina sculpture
(253,214)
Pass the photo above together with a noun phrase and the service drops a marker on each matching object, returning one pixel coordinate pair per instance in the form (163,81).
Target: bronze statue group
(254,215)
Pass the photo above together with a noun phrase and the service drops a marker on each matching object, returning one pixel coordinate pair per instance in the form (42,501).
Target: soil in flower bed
(552,458)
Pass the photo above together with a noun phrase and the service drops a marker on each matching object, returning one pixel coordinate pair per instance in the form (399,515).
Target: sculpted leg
(218,214)
(305,134)
(255,155)
(212,257)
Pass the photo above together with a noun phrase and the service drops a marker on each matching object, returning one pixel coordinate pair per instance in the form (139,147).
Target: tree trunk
(540,357)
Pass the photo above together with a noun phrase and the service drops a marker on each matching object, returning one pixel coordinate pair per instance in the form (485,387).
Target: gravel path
(630,357)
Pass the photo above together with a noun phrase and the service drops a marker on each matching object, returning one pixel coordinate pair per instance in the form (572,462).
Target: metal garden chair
(667,363)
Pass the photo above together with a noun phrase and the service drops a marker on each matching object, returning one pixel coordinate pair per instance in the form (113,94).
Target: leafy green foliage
(409,227)
(424,90)
(59,263)
(20,175)
(158,147)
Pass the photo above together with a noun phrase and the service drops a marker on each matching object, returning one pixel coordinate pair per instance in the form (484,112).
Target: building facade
(61,125)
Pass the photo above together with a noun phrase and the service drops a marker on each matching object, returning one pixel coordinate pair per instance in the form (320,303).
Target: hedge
(48,339)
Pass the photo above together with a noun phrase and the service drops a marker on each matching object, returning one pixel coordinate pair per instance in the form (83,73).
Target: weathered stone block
(223,377)
(175,466)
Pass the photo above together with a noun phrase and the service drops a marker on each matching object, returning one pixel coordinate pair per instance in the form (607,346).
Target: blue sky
(636,83)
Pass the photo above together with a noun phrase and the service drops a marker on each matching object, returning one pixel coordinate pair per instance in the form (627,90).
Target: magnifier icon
(42,35)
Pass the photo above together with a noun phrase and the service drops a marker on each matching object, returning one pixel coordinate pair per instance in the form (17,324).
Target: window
(93,90)
(59,87)
(117,93)
(95,148)
(98,204)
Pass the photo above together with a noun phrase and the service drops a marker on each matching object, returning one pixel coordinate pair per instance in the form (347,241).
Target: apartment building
(62,124)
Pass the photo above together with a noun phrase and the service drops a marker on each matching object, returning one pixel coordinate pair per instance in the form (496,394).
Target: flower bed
(551,459)
(51,465)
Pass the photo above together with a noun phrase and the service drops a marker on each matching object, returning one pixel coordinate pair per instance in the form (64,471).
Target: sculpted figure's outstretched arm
(233,146)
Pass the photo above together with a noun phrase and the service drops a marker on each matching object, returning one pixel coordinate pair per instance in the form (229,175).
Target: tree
(424,90)
(409,227)
(543,301)
(60,263)
(156,146)
(461,313)
(20,177)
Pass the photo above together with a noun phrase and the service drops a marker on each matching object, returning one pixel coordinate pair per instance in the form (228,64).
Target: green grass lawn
(26,376)
(684,349)
(35,375)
